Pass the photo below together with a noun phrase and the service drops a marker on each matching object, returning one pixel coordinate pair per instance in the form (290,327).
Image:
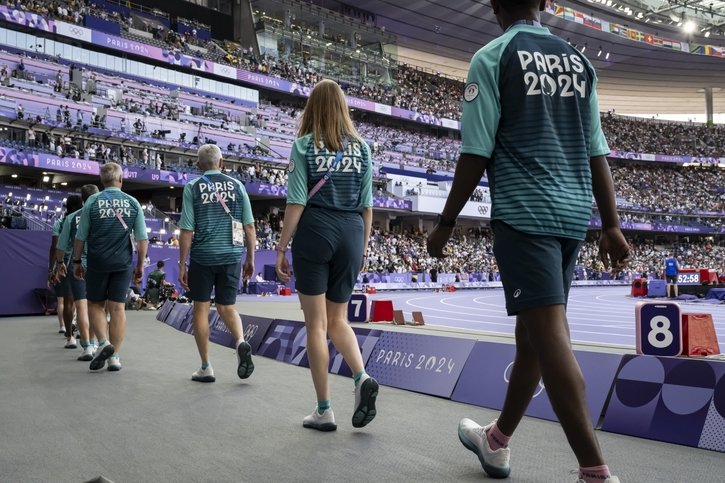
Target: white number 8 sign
(659,329)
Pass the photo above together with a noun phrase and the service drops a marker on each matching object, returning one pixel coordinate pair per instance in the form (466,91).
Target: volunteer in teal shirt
(329,211)
(216,226)
(108,220)
(531,118)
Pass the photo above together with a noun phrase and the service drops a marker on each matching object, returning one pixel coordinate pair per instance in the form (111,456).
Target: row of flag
(629,33)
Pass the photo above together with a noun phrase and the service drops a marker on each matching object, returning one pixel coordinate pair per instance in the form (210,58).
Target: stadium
(147,100)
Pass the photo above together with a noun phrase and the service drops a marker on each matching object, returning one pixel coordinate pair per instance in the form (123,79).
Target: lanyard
(219,197)
(118,213)
(534,23)
(327,175)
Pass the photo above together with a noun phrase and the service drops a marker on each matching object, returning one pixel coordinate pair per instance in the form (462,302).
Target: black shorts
(671,279)
(327,253)
(72,287)
(536,270)
(59,288)
(223,279)
(113,286)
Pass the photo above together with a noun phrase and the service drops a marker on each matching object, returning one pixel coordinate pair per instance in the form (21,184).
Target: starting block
(382,311)
(372,290)
(450,288)
(418,318)
(398,317)
(699,337)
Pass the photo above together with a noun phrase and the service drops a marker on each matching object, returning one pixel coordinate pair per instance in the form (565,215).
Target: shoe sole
(100,358)
(326,427)
(114,368)
(492,471)
(85,357)
(366,412)
(72,346)
(246,366)
(203,379)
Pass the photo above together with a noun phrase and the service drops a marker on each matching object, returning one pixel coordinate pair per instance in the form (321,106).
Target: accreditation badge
(237,233)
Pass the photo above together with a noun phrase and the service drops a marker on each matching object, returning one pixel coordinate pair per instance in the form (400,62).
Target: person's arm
(613,247)
(367,202)
(479,124)
(81,237)
(184,247)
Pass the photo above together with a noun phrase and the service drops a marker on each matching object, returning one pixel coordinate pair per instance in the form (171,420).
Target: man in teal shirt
(107,222)
(216,223)
(531,117)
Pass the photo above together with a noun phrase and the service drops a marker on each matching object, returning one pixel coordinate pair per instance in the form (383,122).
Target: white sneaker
(87,354)
(114,363)
(473,437)
(366,393)
(70,343)
(611,479)
(95,349)
(99,359)
(320,422)
(204,375)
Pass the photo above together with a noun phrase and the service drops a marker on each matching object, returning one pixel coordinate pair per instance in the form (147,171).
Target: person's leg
(82,320)
(97,320)
(342,335)
(676,289)
(523,383)
(200,321)
(117,327)
(59,312)
(318,355)
(547,328)
(669,289)
(68,310)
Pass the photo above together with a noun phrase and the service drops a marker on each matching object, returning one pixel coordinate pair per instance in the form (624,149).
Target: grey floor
(150,423)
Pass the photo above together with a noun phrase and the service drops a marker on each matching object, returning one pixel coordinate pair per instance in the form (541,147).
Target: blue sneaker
(473,437)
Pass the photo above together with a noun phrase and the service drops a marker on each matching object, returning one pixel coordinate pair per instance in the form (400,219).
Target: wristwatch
(446,223)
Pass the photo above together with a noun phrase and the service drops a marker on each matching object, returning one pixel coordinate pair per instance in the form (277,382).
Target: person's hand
(437,240)
(364,263)
(138,275)
(60,271)
(183,276)
(613,250)
(282,267)
(78,271)
(51,279)
(248,269)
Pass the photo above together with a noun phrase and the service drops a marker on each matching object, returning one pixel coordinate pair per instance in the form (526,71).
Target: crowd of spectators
(657,137)
(670,189)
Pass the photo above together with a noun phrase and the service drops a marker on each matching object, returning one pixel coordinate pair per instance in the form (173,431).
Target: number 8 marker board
(659,329)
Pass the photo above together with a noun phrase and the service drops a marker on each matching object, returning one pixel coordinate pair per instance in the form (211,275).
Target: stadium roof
(637,78)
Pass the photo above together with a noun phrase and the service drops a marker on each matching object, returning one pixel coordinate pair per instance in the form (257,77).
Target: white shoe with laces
(70,343)
(87,354)
(495,463)
(204,375)
(320,422)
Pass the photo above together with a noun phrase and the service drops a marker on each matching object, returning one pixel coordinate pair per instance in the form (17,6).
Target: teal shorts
(222,279)
(327,253)
(113,286)
(536,270)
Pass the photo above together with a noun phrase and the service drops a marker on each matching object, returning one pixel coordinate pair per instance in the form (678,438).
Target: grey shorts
(671,279)
(536,270)
(327,253)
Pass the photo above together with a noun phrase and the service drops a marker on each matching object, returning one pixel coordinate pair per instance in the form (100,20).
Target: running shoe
(473,437)
(320,422)
(366,393)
